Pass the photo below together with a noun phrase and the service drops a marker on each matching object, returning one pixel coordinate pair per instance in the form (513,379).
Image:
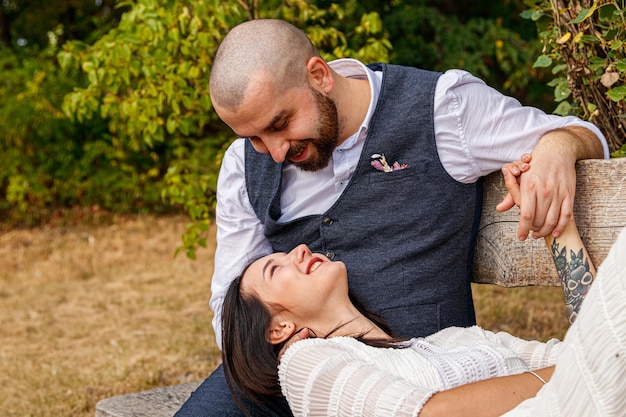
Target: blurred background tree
(583,44)
(48,161)
(33,22)
(105,103)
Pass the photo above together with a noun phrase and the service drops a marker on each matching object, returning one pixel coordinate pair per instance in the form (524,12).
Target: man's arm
(546,192)
(240,238)
(479,130)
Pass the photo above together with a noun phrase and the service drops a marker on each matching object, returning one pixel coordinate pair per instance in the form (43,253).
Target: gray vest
(406,236)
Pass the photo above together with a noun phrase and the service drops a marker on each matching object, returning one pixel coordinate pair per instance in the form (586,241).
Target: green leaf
(561,92)
(596,63)
(621,65)
(606,12)
(559,68)
(616,44)
(65,59)
(585,14)
(563,109)
(591,107)
(542,62)
(617,93)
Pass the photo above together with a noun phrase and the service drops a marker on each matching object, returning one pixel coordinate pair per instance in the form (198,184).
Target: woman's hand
(512,173)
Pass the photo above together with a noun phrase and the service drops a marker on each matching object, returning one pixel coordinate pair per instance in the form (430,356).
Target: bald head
(269,46)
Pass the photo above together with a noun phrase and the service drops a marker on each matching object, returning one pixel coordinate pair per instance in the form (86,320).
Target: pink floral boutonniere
(380,163)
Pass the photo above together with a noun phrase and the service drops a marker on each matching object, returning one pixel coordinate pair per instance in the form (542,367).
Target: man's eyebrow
(267,264)
(275,120)
(270,125)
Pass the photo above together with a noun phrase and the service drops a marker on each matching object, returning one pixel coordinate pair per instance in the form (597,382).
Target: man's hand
(545,193)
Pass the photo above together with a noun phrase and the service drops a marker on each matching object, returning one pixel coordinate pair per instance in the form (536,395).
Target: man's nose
(276,147)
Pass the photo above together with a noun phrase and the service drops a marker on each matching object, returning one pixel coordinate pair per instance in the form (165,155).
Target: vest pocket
(381,176)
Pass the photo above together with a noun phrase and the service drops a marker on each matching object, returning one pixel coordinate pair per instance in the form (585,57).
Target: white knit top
(341,376)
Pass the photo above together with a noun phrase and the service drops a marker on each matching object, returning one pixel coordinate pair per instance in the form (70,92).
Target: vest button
(330,254)
(327,221)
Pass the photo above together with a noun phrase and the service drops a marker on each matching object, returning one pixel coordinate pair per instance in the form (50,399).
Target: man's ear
(320,75)
(281,330)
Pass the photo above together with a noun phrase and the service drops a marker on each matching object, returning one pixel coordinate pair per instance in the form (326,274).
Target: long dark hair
(250,360)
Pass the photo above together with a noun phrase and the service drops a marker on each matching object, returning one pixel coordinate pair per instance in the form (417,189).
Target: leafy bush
(148,79)
(485,39)
(50,162)
(584,46)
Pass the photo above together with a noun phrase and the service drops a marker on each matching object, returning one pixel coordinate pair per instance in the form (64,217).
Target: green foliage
(35,24)
(584,46)
(50,162)
(426,36)
(148,79)
(30,123)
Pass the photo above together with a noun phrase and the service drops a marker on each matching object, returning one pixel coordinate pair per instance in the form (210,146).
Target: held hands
(545,196)
(512,175)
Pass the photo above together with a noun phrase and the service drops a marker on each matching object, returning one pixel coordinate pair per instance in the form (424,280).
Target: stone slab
(158,402)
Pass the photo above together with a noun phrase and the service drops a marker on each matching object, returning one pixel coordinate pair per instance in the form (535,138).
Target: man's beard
(327,135)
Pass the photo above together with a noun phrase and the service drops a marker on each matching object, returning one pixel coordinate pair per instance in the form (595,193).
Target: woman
(353,366)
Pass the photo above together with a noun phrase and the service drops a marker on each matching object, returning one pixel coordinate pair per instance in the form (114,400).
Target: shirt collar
(351,68)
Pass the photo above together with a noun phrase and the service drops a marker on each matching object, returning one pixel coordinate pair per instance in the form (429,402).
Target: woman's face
(299,282)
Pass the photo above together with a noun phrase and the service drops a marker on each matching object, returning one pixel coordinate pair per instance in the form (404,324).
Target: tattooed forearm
(575,274)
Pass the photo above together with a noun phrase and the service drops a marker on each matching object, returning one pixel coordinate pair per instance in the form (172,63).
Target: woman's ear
(320,75)
(281,330)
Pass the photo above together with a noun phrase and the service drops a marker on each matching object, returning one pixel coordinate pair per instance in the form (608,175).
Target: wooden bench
(600,212)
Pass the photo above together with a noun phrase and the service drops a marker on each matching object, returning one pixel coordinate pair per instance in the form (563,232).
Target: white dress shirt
(477,131)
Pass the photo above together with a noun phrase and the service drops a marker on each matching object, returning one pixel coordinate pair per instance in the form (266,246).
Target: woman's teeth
(314,266)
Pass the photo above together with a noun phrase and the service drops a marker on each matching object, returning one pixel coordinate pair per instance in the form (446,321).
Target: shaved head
(269,46)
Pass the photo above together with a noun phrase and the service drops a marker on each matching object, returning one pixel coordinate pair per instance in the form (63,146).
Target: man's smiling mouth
(295,155)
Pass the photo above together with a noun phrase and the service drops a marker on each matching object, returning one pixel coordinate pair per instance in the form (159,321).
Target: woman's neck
(351,323)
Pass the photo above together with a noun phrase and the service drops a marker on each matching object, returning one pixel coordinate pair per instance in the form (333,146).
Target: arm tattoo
(575,276)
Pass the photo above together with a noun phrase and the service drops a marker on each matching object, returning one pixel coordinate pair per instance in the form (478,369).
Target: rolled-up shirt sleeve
(478,129)
(240,238)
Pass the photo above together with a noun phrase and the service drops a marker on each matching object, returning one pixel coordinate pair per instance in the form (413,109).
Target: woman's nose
(300,253)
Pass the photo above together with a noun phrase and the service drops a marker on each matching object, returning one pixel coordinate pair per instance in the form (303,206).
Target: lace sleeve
(536,354)
(322,377)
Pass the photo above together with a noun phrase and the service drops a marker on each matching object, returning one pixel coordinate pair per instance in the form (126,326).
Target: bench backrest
(599,210)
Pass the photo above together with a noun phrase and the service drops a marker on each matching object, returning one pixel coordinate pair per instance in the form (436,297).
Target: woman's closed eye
(268,269)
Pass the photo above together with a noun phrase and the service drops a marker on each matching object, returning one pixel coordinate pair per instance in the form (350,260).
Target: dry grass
(87,312)
(91,312)
(527,312)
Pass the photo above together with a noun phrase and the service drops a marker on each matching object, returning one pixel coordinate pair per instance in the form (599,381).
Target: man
(376,166)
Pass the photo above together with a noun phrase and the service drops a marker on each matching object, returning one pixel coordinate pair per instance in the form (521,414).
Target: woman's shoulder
(458,334)
(304,355)
(338,346)
(337,343)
